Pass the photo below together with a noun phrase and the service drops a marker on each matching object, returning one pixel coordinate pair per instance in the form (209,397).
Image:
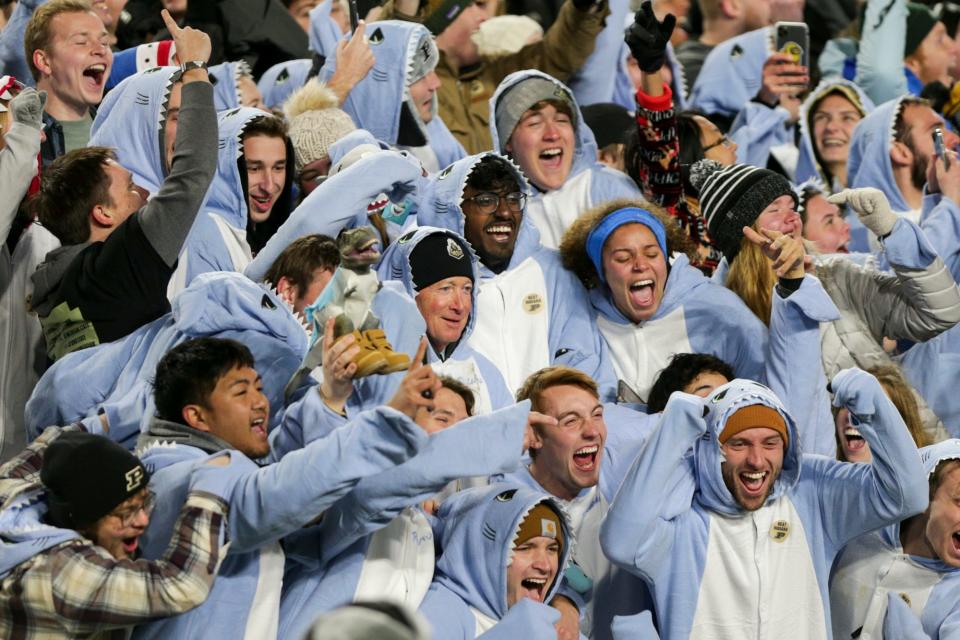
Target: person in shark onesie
(578,181)
(200,413)
(376,542)
(397,100)
(811,163)
(673,308)
(233,86)
(74,507)
(900,130)
(748,507)
(279,81)
(421,273)
(504,549)
(531,311)
(109,385)
(220,237)
(731,74)
(916,561)
(408,312)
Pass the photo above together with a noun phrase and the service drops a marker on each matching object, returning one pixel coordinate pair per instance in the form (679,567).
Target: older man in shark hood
(748,504)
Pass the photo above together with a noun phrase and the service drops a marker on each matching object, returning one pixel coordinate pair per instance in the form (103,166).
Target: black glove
(647,38)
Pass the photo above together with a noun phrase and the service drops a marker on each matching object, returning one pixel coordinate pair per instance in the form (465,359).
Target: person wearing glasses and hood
(706,530)
(531,310)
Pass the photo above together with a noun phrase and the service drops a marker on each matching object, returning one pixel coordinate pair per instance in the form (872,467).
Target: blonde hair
(539,381)
(752,278)
(37,34)
(901,394)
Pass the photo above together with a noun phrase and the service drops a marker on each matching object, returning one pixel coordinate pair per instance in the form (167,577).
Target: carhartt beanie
(542,520)
(752,416)
(733,197)
(920,22)
(515,101)
(87,476)
(437,257)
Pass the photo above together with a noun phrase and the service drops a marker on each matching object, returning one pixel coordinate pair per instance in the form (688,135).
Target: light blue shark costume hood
(23,530)
(324,34)
(723,403)
(226,83)
(940,595)
(442,207)
(131,121)
(279,81)
(869,165)
(478,528)
(395,265)
(808,167)
(205,249)
(381,102)
(585,145)
(115,378)
(731,73)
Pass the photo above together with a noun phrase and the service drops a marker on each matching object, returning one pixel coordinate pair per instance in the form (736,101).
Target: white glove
(871,206)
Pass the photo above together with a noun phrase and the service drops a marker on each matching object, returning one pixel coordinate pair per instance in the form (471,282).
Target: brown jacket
(465,97)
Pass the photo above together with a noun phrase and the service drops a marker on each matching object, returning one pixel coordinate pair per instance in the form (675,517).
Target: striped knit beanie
(733,197)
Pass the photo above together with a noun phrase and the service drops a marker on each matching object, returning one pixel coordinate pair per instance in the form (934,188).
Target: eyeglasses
(488,202)
(128,514)
(724,140)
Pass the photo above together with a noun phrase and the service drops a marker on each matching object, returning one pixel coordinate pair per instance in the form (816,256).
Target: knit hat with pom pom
(315,122)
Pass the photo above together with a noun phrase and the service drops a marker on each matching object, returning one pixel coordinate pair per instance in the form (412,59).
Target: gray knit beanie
(733,197)
(515,101)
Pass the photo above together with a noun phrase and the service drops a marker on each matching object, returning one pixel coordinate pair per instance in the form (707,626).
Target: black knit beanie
(733,197)
(437,257)
(86,477)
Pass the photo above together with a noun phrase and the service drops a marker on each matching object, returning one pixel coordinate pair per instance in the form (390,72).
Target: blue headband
(629,215)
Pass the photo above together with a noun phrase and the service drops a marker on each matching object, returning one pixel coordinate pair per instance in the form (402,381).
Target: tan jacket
(465,97)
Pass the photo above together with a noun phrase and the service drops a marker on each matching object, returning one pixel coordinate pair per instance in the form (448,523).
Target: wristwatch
(193,64)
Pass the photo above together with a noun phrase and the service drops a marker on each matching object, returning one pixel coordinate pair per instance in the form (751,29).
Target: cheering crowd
(479,318)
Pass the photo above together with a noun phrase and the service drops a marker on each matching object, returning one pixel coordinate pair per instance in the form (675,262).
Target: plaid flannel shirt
(77,588)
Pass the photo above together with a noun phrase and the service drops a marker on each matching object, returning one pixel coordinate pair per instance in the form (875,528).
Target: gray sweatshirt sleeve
(18,165)
(167,218)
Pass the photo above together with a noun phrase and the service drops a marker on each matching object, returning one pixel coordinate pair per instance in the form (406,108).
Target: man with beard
(892,149)
(716,534)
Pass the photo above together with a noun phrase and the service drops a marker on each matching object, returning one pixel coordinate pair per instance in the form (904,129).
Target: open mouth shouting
(854,441)
(130,545)
(585,458)
(642,293)
(95,76)
(259,427)
(534,588)
(552,158)
(754,483)
(262,202)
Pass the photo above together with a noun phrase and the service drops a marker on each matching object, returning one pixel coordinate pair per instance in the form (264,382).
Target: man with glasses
(529,311)
(75,506)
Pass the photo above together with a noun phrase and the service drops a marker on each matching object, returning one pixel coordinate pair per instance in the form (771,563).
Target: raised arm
(638,532)
(565,46)
(921,300)
(18,158)
(91,593)
(167,218)
(857,498)
(479,446)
